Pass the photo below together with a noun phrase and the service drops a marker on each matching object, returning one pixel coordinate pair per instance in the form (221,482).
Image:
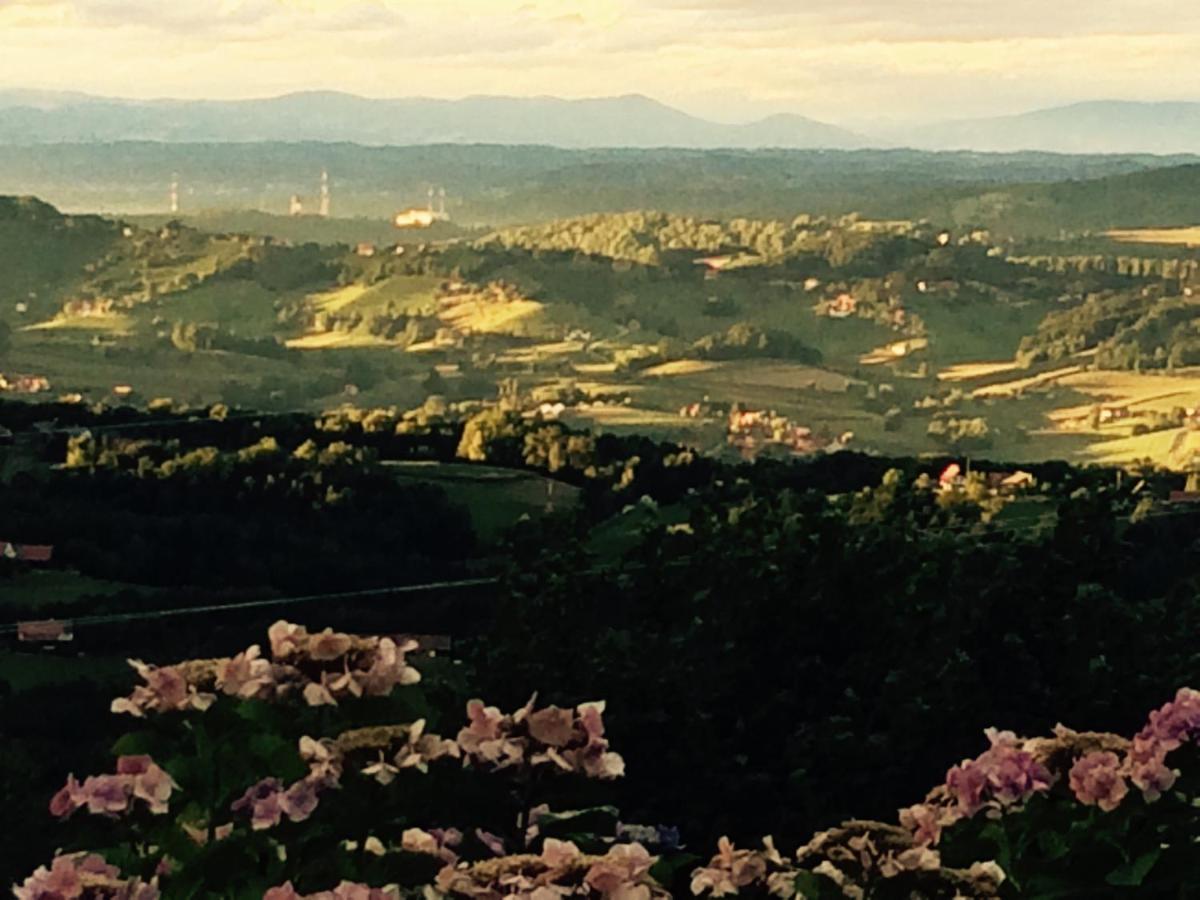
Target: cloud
(736,58)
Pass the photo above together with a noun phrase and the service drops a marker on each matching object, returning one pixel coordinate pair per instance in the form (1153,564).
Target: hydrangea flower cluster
(347,890)
(565,739)
(169,688)
(269,801)
(369,666)
(854,856)
(137,778)
(1098,769)
(561,870)
(1168,728)
(731,869)
(397,747)
(85,876)
(439,842)
(859,854)
(320,668)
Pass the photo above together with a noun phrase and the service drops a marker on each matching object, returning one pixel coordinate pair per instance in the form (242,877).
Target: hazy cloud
(834,59)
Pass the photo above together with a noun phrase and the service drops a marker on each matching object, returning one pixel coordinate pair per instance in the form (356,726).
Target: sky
(847,61)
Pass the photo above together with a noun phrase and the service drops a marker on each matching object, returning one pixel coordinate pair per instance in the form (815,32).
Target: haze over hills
(1094,127)
(634,121)
(628,121)
(496,185)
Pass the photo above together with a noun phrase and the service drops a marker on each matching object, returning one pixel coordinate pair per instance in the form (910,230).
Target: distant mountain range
(1097,127)
(632,121)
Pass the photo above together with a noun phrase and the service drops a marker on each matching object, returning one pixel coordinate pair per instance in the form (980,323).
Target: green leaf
(600,820)
(136,743)
(1134,873)
(668,867)
(811,886)
(1053,845)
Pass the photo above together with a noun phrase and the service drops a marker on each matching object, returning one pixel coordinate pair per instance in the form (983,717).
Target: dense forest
(1016,194)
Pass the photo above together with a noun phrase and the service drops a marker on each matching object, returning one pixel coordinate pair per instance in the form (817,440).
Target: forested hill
(44,252)
(1026,193)
(654,238)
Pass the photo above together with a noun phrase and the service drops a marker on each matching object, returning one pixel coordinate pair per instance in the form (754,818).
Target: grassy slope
(495,497)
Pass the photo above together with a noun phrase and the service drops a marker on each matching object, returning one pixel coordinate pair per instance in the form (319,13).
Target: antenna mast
(325,197)
(174,198)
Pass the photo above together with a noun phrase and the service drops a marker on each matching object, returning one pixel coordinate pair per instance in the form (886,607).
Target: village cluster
(752,431)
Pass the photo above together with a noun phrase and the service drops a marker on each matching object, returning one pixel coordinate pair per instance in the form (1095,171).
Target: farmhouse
(842,307)
(36,553)
(44,632)
(714,265)
(414,218)
(86,308)
(25,384)
(1010,482)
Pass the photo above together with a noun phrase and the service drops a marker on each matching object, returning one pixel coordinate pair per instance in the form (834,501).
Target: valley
(889,336)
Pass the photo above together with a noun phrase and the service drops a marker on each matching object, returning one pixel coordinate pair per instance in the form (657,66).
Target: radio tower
(325,200)
(441,203)
(431,193)
(174,193)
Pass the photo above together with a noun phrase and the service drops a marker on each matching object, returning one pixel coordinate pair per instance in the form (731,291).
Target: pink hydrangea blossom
(552,726)
(493,842)
(623,865)
(166,689)
(317,693)
(569,740)
(300,800)
(284,891)
(1097,780)
(61,880)
(731,869)
(137,777)
(382,771)
(150,782)
(1002,776)
(262,800)
(285,639)
(389,669)
(324,763)
(199,834)
(328,645)
(345,891)
(558,854)
(83,875)
(269,801)
(926,822)
(420,749)
(1146,763)
(246,675)
(107,794)
(437,842)
(68,799)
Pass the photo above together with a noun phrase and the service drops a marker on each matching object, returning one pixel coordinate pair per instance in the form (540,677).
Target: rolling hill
(500,185)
